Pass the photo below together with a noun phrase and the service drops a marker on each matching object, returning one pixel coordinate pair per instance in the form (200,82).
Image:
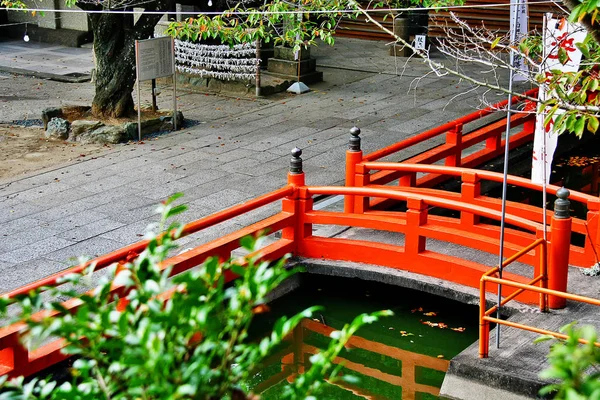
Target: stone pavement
(238,150)
(44,59)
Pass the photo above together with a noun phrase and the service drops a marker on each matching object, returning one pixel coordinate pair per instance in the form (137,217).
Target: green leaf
(580,126)
(592,124)
(495,42)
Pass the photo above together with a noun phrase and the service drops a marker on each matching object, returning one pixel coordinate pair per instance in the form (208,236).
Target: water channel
(400,357)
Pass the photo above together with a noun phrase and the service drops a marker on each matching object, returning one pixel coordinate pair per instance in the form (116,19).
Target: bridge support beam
(558,264)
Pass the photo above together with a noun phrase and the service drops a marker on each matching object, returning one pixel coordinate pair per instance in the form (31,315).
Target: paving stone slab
(14,240)
(130,233)
(165,190)
(221,199)
(90,230)
(91,248)
(35,250)
(32,271)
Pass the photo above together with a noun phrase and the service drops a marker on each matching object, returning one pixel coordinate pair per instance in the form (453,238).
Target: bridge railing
(486,318)
(17,360)
(583,252)
(552,291)
(459,149)
(295,222)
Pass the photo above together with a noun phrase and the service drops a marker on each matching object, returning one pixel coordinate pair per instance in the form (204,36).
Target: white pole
(174,85)
(139,102)
(513,35)
(544,149)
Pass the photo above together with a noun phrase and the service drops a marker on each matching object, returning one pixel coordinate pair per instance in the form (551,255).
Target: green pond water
(400,357)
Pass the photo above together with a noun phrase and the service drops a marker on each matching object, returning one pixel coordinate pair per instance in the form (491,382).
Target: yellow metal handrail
(485,317)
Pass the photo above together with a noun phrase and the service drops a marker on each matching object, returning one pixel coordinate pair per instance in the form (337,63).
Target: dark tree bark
(114,48)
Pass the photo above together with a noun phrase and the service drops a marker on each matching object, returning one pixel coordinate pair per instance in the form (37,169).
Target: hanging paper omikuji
(559,34)
(217,61)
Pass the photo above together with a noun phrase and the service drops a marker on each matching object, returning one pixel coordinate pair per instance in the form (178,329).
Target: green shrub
(575,367)
(152,349)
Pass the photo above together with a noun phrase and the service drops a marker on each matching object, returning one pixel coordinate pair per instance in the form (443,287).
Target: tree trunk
(114,49)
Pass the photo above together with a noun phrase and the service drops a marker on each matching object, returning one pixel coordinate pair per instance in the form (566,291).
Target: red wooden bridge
(470,220)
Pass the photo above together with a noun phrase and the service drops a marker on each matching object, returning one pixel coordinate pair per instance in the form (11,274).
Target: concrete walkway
(238,150)
(45,60)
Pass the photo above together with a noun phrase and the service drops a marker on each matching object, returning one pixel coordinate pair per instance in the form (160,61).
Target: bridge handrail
(16,360)
(386,151)
(398,194)
(485,319)
(487,175)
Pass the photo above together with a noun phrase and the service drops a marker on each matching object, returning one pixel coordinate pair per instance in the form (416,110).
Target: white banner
(519,20)
(558,34)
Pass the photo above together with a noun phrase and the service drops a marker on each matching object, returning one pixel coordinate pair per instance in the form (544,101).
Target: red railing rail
(295,222)
(453,152)
(582,255)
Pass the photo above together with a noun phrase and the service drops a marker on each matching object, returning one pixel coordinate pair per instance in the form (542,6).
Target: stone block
(104,135)
(81,127)
(57,128)
(49,113)
(290,68)
(311,77)
(286,53)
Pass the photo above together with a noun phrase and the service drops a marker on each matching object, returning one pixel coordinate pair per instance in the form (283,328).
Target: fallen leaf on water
(440,356)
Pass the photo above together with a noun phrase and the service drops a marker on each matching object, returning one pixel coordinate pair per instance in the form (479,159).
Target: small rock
(57,128)
(49,113)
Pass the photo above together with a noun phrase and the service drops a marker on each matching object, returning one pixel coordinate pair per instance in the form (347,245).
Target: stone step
(312,77)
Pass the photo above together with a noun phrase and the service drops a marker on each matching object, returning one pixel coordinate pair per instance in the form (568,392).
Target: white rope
(232,13)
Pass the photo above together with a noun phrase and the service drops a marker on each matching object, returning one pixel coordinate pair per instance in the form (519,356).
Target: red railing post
(470,190)
(416,216)
(529,125)
(353,156)
(454,138)
(297,204)
(408,179)
(296,179)
(592,241)
(362,179)
(484,326)
(558,268)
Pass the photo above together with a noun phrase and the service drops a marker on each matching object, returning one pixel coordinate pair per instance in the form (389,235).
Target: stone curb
(46,75)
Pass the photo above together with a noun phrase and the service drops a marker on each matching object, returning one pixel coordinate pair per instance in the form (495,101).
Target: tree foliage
(181,337)
(574,367)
